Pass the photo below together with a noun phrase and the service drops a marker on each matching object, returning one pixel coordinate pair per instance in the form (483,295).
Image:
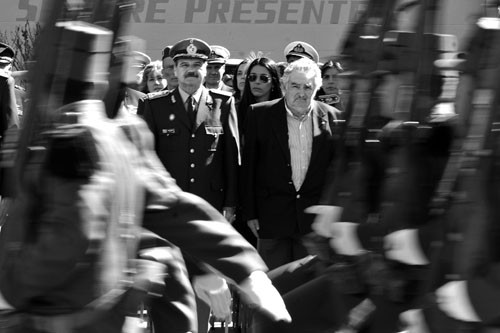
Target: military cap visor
(190,48)
(6,53)
(218,55)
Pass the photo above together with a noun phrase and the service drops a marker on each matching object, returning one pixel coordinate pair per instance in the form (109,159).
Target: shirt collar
(196,95)
(305,116)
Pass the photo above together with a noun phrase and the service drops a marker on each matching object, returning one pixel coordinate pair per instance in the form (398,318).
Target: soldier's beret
(6,54)
(190,48)
(218,55)
(301,49)
(166,52)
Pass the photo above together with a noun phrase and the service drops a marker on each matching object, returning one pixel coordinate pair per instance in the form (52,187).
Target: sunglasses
(264,78)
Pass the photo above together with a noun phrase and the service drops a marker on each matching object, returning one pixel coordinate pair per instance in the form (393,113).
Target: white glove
(4,305)
(345,240)
(325,216)
(259,291)
(453,299)
(403,246)
(215,292)
(414,321)
(159,254)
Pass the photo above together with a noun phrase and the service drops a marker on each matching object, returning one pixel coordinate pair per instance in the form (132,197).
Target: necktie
(191,110)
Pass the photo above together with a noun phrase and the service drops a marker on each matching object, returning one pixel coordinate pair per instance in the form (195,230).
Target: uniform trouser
(312,300)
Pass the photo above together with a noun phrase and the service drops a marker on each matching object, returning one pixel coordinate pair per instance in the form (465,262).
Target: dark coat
(8,108)
(203,160)
(269,193)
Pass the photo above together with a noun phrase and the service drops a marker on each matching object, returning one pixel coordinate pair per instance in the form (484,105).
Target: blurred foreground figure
(9,119)
(68,248)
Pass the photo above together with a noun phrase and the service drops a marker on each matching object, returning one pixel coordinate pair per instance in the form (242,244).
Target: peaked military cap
(6,54)
(190,48)
(301,49)
(218,55)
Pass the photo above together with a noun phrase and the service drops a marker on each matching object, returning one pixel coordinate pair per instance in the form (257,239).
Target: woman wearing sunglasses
(262,84)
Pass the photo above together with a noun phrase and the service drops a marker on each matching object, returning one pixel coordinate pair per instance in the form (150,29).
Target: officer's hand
(254,226)
(229,213)
(214,291)
(325,216)
(344,239)
(258,290)
(453,299)
(403,246)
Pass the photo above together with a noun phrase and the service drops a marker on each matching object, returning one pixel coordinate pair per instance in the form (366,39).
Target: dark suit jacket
(269,193)
(203,160)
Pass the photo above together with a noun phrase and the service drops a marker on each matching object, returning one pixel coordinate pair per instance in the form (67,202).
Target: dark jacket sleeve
(202,233)
(484,294)
(8,112)
(249,166)
(232,158)
(56,246)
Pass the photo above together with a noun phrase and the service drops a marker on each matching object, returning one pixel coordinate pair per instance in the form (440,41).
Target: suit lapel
(280,126)
(179,108)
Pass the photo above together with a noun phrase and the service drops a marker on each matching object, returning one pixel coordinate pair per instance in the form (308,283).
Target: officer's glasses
(264,78)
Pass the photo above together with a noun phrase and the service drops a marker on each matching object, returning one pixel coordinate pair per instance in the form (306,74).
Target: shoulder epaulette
(157,94)
(221,92)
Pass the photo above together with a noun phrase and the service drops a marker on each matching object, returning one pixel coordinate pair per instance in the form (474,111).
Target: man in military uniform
(297,49)
(216,65)
(195,129)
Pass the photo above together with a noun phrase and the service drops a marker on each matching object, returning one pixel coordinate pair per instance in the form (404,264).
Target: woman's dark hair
(237,92)
(248,98)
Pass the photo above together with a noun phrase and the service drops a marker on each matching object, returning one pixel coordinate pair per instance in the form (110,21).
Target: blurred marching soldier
(99,172)
(465,279)
(9,118)
(399,149)
(195,130)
